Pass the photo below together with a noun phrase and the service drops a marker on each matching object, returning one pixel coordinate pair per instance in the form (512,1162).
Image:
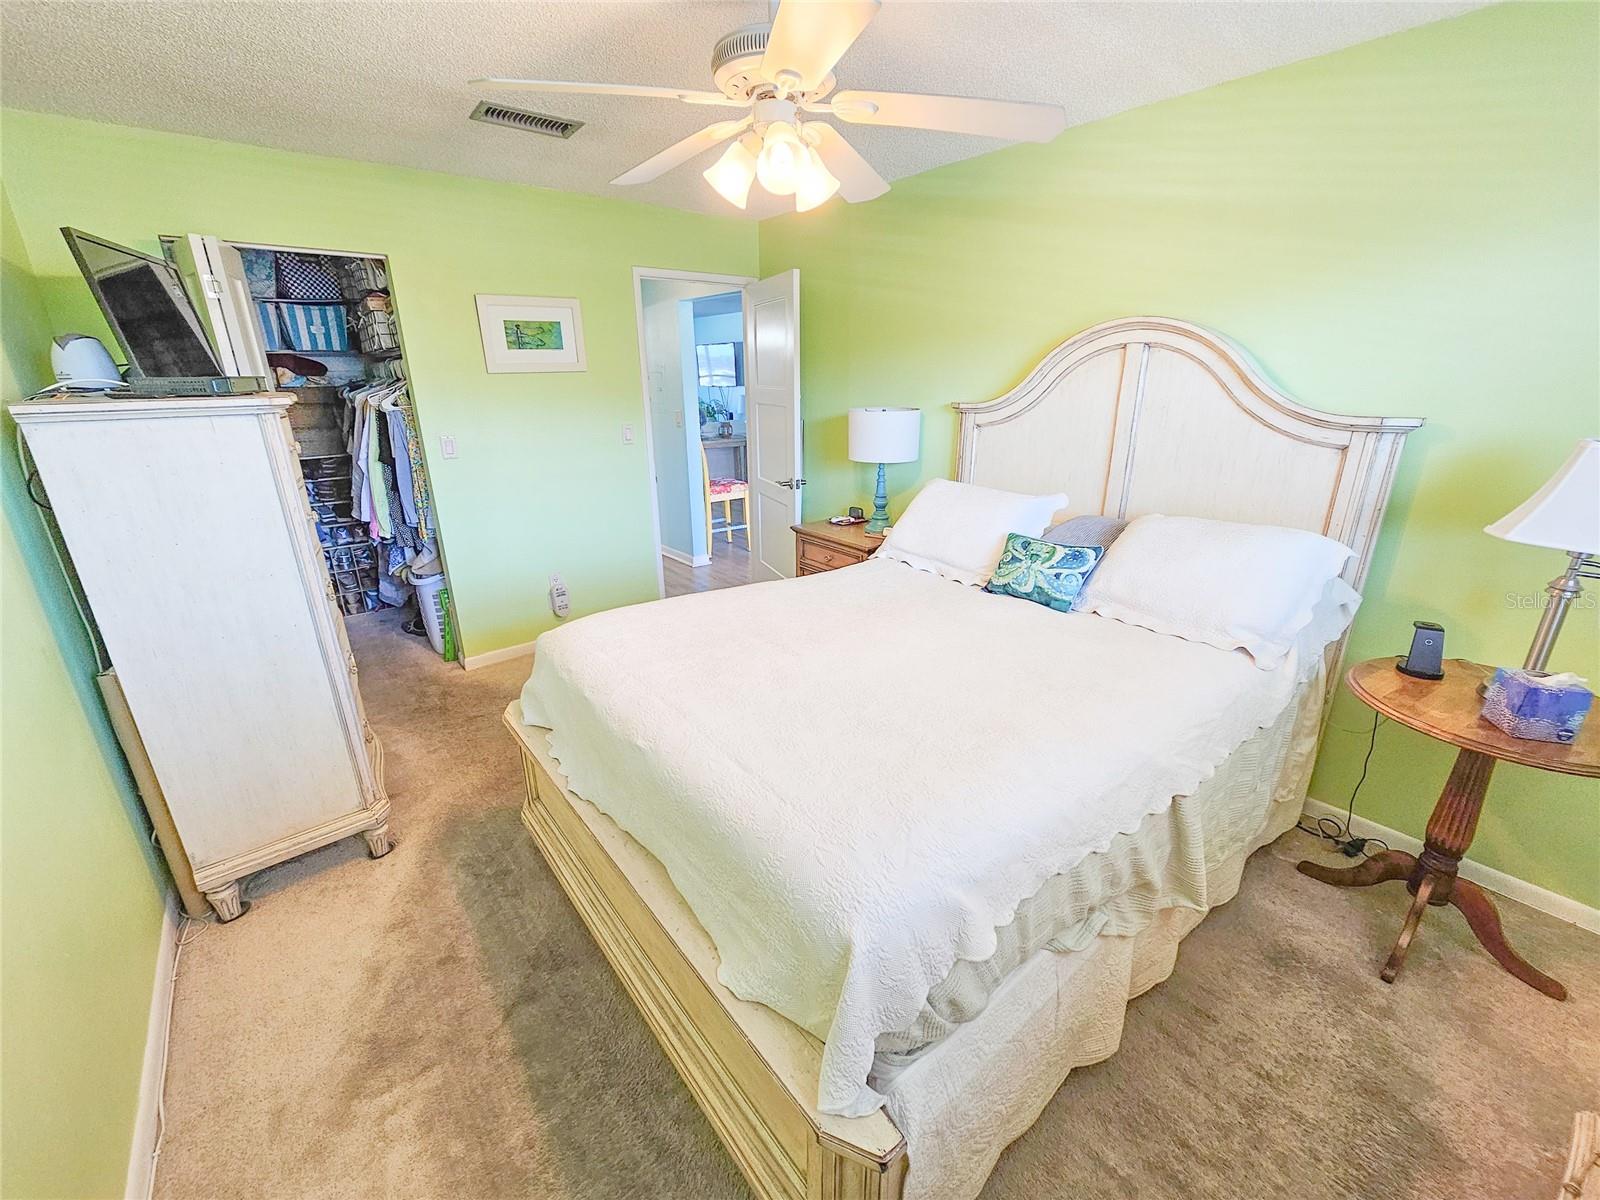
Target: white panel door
(215,277)
(772,408)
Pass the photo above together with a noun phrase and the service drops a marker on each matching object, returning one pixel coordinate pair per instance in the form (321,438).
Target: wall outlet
(677,417)
(627,435)
(447,446)
(559,604)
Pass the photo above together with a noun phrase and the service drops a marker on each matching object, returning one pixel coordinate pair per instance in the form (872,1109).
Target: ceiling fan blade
(687,95)
(857,180)
(809,36)
(679,153)
(1011,119)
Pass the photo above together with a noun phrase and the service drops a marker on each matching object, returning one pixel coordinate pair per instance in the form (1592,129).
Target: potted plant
(717,410)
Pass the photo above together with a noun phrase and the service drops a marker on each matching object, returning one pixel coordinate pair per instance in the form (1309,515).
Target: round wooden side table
(1448,710)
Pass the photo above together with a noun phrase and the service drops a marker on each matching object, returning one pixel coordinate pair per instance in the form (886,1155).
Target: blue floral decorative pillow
(1045,572)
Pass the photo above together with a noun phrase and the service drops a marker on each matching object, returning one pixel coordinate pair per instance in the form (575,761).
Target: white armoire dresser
(188,523)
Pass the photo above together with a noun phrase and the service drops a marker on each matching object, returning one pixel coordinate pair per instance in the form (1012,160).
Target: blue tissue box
(1520,703)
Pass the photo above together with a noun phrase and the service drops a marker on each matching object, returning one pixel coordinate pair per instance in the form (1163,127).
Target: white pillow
(958,530)
(1233,586)
(1330,617)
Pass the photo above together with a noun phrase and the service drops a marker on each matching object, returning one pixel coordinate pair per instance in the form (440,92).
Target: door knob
(792,484)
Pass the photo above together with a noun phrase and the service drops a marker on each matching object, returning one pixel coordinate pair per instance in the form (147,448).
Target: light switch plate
(627,435)
(447,446)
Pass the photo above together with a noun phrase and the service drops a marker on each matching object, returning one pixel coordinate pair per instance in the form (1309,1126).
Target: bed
(1134,416)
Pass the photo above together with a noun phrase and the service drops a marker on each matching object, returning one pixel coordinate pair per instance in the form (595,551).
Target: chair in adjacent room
(724,491)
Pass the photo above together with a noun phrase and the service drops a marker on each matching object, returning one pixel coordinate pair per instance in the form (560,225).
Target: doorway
(691,346)
(722,424)
(322,324)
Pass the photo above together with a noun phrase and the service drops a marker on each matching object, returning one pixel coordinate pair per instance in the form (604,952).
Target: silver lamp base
(1563,590)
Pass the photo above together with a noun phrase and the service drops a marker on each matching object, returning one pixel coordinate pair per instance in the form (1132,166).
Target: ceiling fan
(782,73)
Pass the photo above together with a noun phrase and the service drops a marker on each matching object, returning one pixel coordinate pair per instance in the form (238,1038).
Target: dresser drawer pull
(826,556)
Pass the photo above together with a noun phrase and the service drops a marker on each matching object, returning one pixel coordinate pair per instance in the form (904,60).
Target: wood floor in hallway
(730,567)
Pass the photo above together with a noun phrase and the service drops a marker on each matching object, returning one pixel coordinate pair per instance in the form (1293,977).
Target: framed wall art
(531,333)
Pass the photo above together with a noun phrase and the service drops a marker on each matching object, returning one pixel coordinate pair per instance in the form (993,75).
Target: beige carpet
(438,1024)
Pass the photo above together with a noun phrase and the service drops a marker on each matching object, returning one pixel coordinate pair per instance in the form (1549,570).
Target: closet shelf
(384,355)
(299,300)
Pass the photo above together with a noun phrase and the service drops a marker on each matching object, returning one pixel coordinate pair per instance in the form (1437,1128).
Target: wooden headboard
(1151,415)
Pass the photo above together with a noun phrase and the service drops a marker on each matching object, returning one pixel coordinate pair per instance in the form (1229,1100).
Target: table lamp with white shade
(1562,515)
(884,435)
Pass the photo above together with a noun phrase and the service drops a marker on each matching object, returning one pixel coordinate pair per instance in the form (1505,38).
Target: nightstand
(819,546)
(1449,710)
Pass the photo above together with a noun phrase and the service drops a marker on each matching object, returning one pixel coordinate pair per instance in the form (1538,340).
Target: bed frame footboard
(753,1073)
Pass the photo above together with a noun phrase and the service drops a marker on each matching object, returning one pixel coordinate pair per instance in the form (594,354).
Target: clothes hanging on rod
(388,484)
(378,497)
(399,447)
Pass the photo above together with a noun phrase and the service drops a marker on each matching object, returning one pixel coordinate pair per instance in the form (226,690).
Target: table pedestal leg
(1408,930)
(1432,879)
(1484,919)
(1380,868)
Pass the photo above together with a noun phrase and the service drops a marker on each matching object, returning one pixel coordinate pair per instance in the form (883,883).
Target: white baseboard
(153,1078)
(471,662)
(1531,894)
(688,560)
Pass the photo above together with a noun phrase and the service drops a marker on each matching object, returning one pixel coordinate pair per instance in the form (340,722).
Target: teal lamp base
(880,506)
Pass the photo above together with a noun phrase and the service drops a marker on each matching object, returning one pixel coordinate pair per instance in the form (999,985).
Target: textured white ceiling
(387,82)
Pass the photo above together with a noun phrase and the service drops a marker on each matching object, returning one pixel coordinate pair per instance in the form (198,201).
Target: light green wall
(1408,227)
(543,482)
(80,894)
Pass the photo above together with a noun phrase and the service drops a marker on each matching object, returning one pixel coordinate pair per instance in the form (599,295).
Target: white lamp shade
(885,435)
(733,173)
(817,184)
(1565,513)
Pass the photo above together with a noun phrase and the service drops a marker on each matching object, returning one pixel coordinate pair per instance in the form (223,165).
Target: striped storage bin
(311,328)
(271,330)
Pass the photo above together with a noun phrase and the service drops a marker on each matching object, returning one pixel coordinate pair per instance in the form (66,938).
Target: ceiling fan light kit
(734,173)
(785,69)
(817,185)
(782,157)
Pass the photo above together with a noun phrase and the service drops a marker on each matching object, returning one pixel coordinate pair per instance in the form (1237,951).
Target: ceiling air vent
(528,122)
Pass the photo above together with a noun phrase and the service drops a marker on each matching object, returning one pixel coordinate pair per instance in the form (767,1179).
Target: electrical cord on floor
(1331,829)
(190,929)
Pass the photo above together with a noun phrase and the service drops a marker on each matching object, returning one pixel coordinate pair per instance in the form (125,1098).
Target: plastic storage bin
(431,606)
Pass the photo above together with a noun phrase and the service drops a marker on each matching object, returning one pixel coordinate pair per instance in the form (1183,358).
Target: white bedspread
(854,778)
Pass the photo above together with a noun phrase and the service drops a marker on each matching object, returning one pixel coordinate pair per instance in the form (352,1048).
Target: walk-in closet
(324,326)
